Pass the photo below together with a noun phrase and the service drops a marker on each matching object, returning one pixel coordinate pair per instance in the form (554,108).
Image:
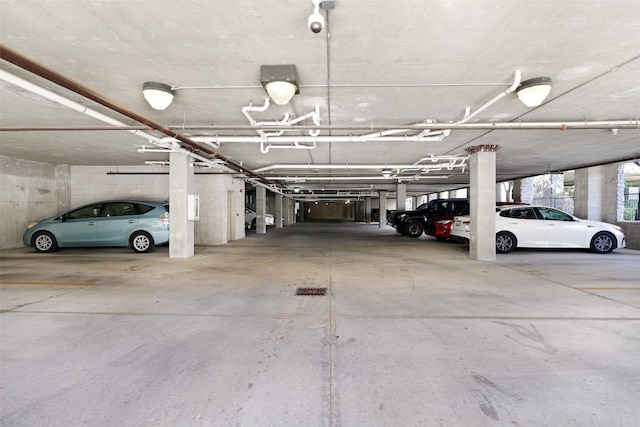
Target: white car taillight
(164,218)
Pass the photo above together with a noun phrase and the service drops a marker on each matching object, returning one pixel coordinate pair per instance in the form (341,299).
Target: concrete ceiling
(375,66)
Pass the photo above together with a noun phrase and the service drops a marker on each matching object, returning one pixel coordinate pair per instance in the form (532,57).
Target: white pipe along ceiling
(270,136)
(412,103)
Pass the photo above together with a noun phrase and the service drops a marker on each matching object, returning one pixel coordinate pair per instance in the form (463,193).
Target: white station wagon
(544,227)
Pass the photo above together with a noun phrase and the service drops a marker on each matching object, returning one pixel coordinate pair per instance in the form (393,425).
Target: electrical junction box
(193,207)
(328,4)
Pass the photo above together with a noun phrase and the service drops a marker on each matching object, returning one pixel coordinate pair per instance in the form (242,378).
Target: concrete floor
(411,333)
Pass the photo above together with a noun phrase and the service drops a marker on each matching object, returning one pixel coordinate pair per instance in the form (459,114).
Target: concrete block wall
(523,190)
(631,230)
(28,192)
(90,183)
(213,228)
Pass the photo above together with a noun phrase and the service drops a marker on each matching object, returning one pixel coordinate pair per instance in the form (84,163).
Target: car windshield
(442,206)
(554,215)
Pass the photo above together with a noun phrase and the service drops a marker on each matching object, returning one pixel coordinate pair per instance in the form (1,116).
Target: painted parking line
(49,283)
(610,289)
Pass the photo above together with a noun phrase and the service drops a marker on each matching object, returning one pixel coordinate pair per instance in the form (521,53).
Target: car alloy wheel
(505,242)
(141,242)
(414,229)
(602,243)
(45,242)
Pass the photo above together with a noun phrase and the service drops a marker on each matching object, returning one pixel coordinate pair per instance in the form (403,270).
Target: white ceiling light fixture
(533,92)
(158,95)
(280,82)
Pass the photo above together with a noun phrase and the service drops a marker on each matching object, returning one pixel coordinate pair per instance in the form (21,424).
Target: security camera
(316,22)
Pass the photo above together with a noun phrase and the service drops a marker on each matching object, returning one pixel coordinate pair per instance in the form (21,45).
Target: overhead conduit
(270,134)
(27,64)
(269,140)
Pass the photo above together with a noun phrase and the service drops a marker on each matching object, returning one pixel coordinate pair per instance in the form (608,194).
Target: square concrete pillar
(613,192)
(367,209)
(279,211)
(482,198)
(599,193)
(587,195)
(290,217)
(382,215)
(181,230)
(401,197)
(261,210)
(523,190)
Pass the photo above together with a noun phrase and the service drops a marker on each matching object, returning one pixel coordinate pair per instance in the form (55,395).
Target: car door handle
(131,221)
(91,224)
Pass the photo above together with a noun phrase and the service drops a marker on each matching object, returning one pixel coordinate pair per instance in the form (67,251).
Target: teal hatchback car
(137,224)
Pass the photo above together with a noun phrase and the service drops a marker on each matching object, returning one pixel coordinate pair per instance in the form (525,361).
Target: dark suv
(414,223)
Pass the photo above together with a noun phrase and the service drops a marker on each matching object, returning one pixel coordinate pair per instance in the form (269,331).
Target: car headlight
(30,226)
(617,227)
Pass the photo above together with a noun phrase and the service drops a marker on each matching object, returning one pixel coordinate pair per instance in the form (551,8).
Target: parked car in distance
(414,223)
(375,215)
(250,219)
(138,224)
(544,227)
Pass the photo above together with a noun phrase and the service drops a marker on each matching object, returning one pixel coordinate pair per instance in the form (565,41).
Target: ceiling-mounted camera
(316,22)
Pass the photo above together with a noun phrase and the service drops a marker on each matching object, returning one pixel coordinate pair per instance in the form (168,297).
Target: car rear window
(143,209)
(519,213)
(121,209)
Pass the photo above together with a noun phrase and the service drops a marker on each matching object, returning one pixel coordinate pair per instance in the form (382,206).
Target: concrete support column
(501,192)
(414,202)
(181,230)
(261,210)
(548,190)
(367,209)
(613,193)
(523,190)
(482,169)
(599,193)
(401,197)
(280,213)
(292,211)
(382,208)
(289,211)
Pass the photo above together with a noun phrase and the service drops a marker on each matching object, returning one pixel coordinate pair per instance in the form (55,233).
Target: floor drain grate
(311,291)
